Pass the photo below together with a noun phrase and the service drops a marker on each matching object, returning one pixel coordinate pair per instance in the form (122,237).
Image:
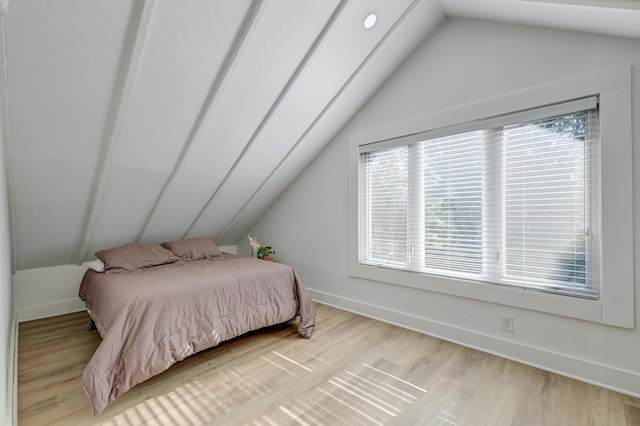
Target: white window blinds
(511,200)
(384,213)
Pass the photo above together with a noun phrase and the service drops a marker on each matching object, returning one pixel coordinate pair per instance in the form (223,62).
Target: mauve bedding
(151,318)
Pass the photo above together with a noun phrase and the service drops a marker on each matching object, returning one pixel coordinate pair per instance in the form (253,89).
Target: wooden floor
(354,371)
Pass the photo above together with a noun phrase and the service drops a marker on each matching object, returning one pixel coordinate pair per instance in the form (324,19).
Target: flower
(254,243)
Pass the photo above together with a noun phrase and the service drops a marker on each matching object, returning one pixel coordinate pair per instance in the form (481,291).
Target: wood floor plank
(354,371)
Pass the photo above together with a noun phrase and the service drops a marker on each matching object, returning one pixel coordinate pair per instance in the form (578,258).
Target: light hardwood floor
(354,371)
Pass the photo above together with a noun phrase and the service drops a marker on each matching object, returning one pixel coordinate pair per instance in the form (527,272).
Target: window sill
(573,307)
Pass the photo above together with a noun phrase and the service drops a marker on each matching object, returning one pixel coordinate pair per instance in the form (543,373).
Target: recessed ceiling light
(370,20)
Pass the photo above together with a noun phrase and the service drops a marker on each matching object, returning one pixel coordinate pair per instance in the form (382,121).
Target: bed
(153,310)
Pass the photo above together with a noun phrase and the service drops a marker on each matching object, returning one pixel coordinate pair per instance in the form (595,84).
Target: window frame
(616,303)
(487,139)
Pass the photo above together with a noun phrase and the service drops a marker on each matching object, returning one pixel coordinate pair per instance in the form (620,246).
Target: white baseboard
(46,310)
(12,373)
(605,376)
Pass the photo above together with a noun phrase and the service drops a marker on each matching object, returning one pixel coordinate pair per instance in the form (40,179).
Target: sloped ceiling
(154,120)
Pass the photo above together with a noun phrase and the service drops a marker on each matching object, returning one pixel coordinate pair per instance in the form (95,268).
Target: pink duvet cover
(151,318)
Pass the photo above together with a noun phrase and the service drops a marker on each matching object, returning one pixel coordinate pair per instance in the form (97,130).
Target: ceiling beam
(222,79)
(113,126)
(608,17)
(300,69)
(321,115)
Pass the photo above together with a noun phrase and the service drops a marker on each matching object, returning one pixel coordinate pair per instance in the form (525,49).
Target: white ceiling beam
(608,18)
(321,115)
(211,102)
(300,69)
(113,126)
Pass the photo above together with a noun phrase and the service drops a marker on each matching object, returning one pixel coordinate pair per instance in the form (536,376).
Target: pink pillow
(134,256)
(193,248)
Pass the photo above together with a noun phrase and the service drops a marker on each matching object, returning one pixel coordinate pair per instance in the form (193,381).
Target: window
(598,266)
(512,200)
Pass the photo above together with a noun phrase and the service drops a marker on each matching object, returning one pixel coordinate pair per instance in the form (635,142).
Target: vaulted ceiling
(153,120)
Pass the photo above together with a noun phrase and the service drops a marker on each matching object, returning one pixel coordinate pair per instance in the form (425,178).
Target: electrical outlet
(507,323)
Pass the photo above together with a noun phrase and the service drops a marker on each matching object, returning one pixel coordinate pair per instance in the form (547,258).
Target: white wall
(7,320)
(47,292)
(462,62)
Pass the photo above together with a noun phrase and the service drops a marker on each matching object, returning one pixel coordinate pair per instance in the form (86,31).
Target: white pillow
(97,265)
